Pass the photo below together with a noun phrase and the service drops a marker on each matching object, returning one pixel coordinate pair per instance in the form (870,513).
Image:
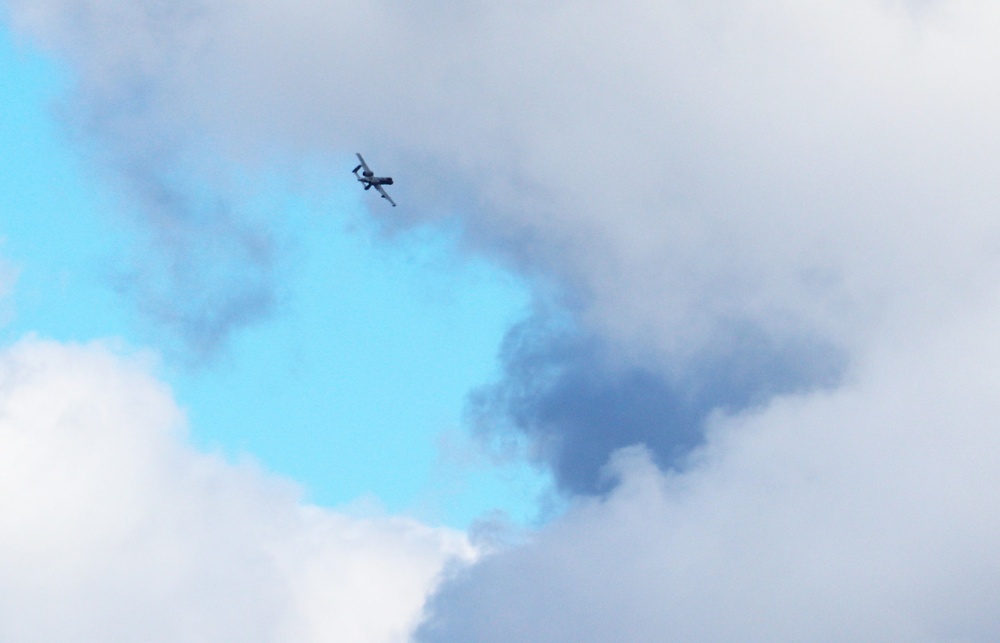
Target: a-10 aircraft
(369,180)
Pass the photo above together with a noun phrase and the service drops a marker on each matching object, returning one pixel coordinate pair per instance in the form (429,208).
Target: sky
(684,327)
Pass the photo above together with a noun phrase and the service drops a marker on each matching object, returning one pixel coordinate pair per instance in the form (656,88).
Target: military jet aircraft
(369,180)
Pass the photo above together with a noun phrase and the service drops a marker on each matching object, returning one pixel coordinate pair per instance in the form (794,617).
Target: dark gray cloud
(576,403)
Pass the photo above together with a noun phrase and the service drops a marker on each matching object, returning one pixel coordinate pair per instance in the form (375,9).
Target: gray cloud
(863,513)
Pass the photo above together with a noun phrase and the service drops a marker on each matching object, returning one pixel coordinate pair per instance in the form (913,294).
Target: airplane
(369,180)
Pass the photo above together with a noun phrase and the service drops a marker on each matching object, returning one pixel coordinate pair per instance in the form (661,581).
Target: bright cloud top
(112,528)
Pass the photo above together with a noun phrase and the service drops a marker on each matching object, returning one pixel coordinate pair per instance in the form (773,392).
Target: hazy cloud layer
(112,528)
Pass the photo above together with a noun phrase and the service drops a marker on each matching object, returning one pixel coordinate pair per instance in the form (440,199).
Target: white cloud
(113,528)
(862,514)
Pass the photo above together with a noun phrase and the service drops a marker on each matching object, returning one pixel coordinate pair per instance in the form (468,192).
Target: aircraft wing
(384,194)
(363,164)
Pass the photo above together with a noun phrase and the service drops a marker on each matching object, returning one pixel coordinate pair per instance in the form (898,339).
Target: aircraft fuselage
(376,180)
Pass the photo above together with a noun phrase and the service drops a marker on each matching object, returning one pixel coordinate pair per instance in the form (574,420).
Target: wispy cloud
(203,270)
(203,266)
